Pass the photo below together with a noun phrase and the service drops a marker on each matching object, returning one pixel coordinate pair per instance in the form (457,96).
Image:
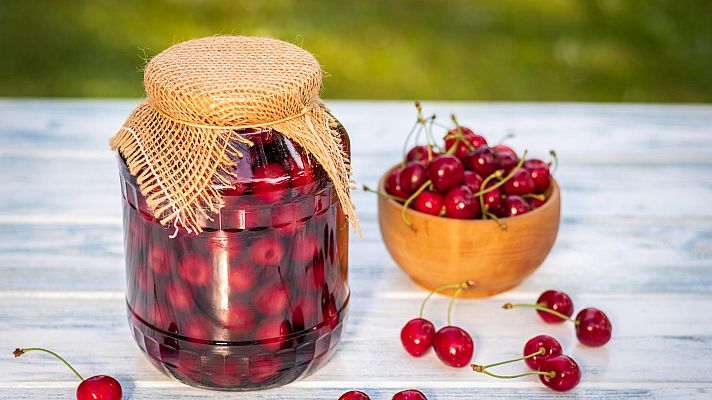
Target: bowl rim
(554,187)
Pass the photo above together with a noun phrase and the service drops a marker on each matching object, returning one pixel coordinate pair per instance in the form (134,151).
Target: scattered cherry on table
(562,373)
(417,336)
(553,306)
(551,347)
(558,301)
(593,327)
(452,344)
(555,370)
(99,387)
(354,395)
(410,394)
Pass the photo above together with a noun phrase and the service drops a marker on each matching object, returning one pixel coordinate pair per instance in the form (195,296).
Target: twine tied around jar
(179,142)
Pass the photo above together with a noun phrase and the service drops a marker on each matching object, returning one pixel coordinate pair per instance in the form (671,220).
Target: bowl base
(472,293)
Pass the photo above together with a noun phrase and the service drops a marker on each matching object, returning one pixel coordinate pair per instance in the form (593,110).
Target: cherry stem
(459,137)
(550,374)
(410,200)
(495,174)
(459,286)
(18,352)
(429,139)
(539,197)
(484,208)
(505,179)
(506,137)
(439,125)
(384,194)
(480,368)
(555,161)
(412,130)
(541,307)
(452,301)
(501,224)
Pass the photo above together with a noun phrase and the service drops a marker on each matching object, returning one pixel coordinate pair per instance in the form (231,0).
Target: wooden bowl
(443,251)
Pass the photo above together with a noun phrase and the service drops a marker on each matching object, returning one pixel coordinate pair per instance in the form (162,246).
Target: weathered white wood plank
(625,258)
(578,131)
(152,390)
(653,341)
(81,189)
(636,241)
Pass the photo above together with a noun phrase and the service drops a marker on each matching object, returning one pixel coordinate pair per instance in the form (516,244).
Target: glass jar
(259,298)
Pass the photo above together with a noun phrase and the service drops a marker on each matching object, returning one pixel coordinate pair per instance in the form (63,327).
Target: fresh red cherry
(564,373)
(506,160)
(503,148)
(593,328)
(540,174)
(536,351)
(392,185)
(468,141)
(195,270)
(558,372)
(99,387)
(551,347)
(453,346)
(536,202)
(493,198)
(410,394)
(483,161)
(417,336)
(267,250)
(420,153)
(429,202)
(515,205)
(520,184)
(461,204)
(472,180)
(553,306)
(354,395)
(557,301)
(412,177)
(445,172)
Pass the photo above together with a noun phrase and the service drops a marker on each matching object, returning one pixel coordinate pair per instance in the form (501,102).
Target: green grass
(579,50)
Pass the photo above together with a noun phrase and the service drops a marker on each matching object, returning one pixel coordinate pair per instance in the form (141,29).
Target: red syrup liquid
(259,298)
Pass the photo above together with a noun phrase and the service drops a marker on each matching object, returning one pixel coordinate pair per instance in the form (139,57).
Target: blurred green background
(578,50)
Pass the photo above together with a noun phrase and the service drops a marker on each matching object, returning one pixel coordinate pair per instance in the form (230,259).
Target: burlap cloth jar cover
(200,94)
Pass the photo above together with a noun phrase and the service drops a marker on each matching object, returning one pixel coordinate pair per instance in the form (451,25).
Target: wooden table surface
(635,241)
